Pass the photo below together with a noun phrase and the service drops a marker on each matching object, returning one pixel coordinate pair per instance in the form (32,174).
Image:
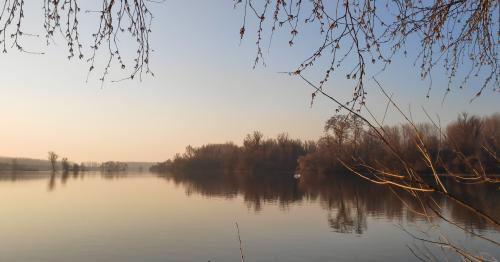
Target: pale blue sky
(204,90)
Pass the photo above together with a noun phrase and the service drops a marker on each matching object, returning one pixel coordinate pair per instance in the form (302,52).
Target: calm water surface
(145,217)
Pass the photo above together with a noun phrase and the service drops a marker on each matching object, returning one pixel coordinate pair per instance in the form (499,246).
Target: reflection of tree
(349,199)
(64,177)
(68,176)
(352,223)
(52,181)
(345,221)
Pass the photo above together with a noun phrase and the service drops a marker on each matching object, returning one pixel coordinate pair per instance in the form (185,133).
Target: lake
(148,217)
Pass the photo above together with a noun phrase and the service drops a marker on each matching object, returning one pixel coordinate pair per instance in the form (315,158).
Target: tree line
(109,166)
(468,144)
(55,163)
(257,155)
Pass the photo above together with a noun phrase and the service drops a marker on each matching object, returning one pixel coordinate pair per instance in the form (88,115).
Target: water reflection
(348,199)
(52,181)
(53,177)
(347,219)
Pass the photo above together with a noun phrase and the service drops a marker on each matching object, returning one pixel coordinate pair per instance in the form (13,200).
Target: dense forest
(468,144)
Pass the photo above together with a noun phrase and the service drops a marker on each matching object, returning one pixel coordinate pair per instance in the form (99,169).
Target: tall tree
(53,160)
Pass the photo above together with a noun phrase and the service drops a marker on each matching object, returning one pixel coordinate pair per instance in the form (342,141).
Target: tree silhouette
(369,32)
(462,36)
(53,160)
(65,165)
(114,19)
(355,36)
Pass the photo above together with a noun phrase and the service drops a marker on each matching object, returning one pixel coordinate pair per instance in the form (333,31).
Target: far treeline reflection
(348,198)
(266,170)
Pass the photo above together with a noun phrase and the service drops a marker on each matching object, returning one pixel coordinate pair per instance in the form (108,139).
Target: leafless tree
(462,36)
(65,165)
(53,160)
(115,19)
(455,34)
(450,33)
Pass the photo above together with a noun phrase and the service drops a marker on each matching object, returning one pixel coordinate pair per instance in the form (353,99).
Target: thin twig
(239,239)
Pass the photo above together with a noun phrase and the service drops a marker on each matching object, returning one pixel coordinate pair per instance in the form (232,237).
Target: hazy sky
(204,90)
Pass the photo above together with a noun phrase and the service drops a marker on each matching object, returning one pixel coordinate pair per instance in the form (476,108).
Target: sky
(205,90)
